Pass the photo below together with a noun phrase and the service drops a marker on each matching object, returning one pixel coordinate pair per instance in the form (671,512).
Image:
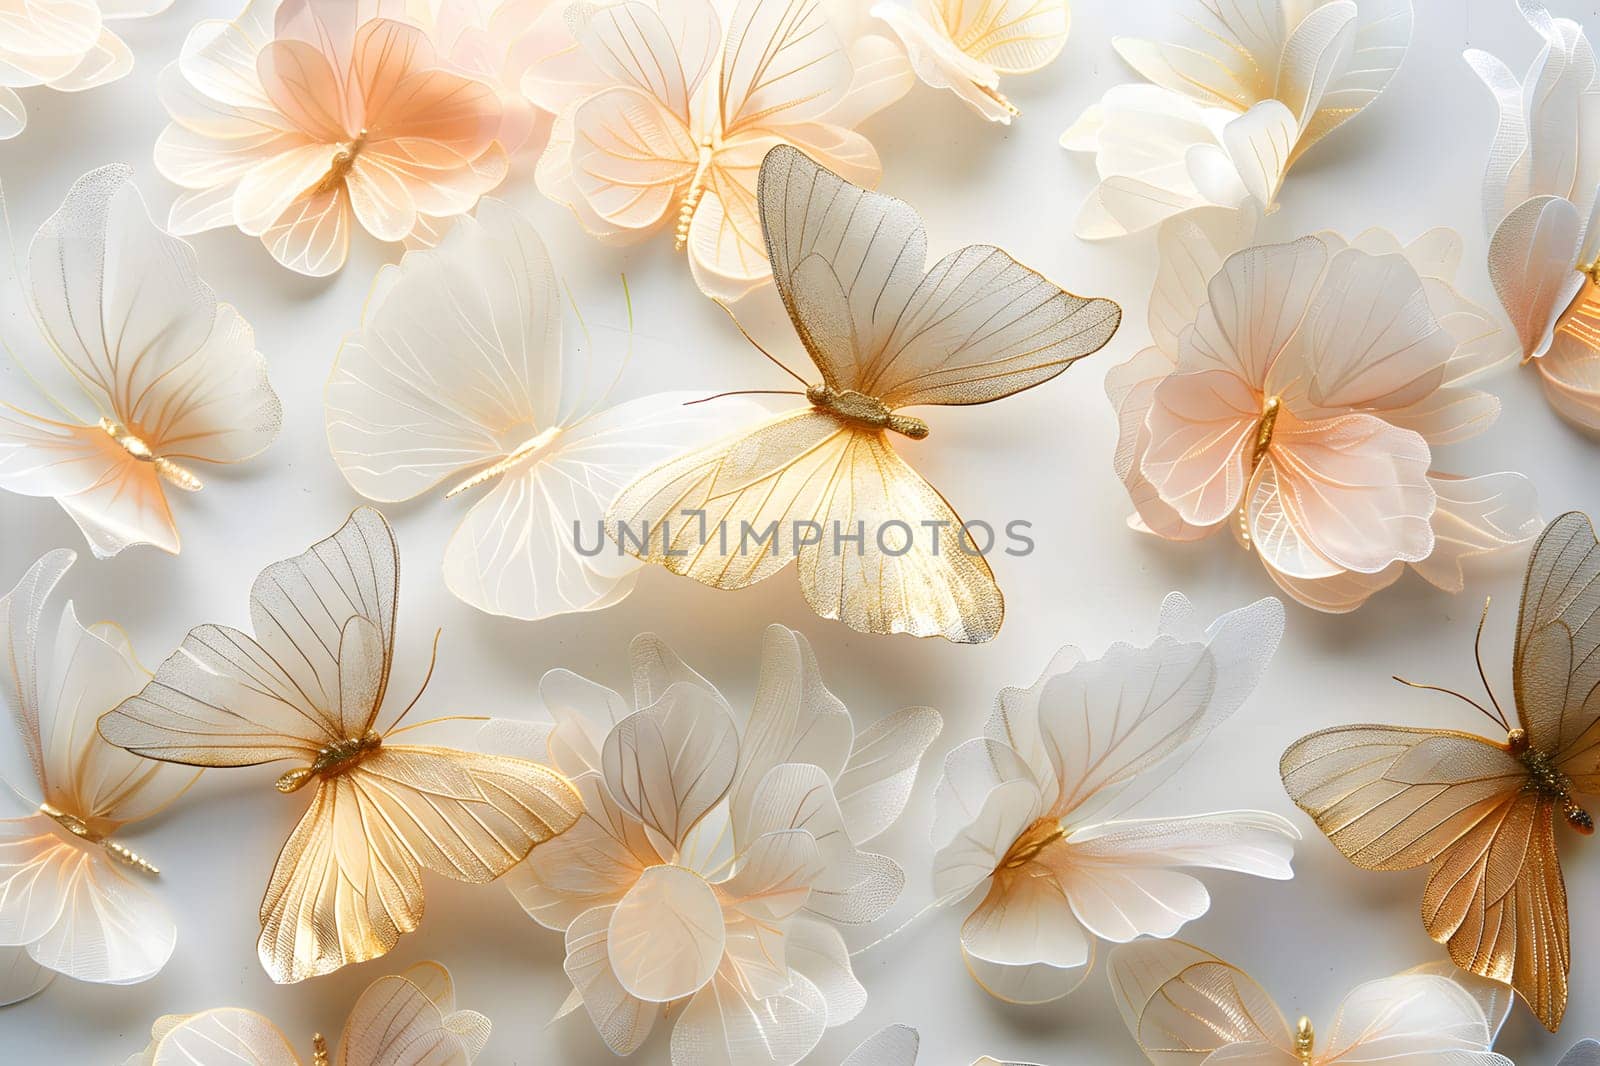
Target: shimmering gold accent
(331,761)
(1546,779)
(1581,319)
(1264,427)
(339,166)
(1305,1037)
(863,410)
(131,443)
(1000,98)
(525,450)
(319,1050)
(695,193)
(80,829)
(1031,842)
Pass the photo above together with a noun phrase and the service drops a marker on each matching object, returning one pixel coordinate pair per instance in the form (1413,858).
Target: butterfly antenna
(433,660)
(757,344)
(745,392)
(1477,653)
(1451,692)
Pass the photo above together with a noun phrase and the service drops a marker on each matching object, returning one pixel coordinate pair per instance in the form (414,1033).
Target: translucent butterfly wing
(226,1036)
(1556,662)
(1410,1017)
(227,699)
(356,858)
(977,327)
(459,351)
(1394,799)
(20,612)
(1182,1004)
(1012,36)
(782,65)
(396,1022)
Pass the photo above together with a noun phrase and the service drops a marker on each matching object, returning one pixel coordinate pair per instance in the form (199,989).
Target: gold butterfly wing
(1394,799)
(878,547)
(1557,656)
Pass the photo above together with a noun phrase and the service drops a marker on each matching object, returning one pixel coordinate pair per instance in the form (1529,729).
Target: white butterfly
(1029,817)
(146,372)
(458,372)
(404,1019)
(72,899)
(1184,1006)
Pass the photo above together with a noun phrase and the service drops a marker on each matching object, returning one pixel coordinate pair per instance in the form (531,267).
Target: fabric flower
(712,868)
(1539,202)
(64,44)
(664,112)
(897,1045)
(965,45)
(1030,814)
(300,115)
(1233,105)
(1295,394)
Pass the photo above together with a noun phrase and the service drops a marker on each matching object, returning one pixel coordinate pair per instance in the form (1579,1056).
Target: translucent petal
(666,935)
(669,764)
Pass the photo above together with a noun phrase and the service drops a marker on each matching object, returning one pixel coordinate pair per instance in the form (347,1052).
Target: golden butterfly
(877,546)
(1481,814)
(308,687)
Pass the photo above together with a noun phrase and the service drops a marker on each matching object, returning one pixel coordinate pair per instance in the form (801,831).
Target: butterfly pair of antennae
(1498,715)
(758,347)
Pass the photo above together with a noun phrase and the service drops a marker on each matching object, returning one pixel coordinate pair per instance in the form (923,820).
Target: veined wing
(1012,36)
(137,336)
(314,673)
(1392,799)
(225,1036)
(1181,1004)
(1557,657)
(896,578)
(20,611)
(782,65)
(457,362)
(977,327)
(348,882)
(733,512)
(396,1021)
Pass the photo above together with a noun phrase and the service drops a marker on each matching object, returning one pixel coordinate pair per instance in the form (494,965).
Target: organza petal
(1202,428)
(665,936)
(1477,516)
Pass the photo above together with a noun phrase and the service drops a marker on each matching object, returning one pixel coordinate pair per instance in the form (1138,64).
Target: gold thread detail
(130,442)
(864,410)
(331,761)
(526,449)
(80,829)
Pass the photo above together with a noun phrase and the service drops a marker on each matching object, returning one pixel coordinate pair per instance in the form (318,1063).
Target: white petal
(669,764)
(817,952)
(1411,1016)
(976,849)
(877,780)
(666,935)
(622,1020)
(724,1026)
(893,1045)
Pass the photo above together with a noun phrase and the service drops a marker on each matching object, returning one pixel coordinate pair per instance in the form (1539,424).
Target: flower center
(1034,839)
(864,410)
(331,761)
(525,450)
(1581,319)
(135,446)
(340,165)
(1264,427)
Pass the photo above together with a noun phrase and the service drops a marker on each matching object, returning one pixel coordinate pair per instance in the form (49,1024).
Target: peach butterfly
(1295,394)
(1030,818)
(66,45)
(301,115)
(712,867)
(1539,202)
(1235,102)
(665,110)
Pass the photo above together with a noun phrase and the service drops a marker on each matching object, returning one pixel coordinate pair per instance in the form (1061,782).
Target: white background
(1411,162)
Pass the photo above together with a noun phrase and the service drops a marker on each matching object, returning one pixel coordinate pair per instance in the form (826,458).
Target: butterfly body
(869,412)
(331,761)
(85,830)
(1546,778)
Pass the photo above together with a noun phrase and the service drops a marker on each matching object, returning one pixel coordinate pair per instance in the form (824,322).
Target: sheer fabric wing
(227,699)
(395,1021)
(978,327)
(896,579)
(227,1036)
(1393,799)
(1182,1004)
(1557,657)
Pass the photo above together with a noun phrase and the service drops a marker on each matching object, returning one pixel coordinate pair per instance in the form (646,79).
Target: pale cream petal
(312,234)
(1319,45)
(1192,247)
(724,1025)
(974,768)
(1182,1004)
(815,951)
(975,850)
(940,63)
(893,1045)
(1259,145)
(593,864)
(1202,428)
(1531,263)
(1477,516)
(220,1035)
(670,763)
(1570,373)
(876,783)
(1255,308)
(665,936)
(1026,919)
(622,1020)
(1411,1017)
(782,64)
(727,249)
(630,158)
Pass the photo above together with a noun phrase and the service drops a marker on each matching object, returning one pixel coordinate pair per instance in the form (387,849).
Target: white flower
(1030,813)
(1233,105)
(712,868)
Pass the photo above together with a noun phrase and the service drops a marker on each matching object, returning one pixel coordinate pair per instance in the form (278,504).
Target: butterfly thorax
(513,458)
(331,761)
(1581,319)
(83,829)
(1546,778)
(1031,842)
(1268,422)
(319,1050)
(695,192)
(340,165)
(129,440)
(1305,1041)
(860,409)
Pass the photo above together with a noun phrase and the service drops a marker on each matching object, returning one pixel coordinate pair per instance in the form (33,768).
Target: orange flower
(301,113)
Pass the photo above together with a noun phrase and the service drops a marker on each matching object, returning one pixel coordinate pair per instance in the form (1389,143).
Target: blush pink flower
(301,115)
(1295,395)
